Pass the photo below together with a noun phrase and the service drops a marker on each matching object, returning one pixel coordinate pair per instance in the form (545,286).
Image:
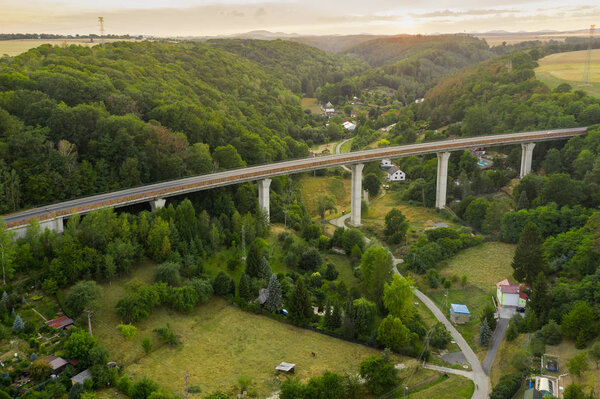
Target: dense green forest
(77,120)
(302,68)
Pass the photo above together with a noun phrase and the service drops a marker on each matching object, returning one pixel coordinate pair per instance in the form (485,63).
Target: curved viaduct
(51,216)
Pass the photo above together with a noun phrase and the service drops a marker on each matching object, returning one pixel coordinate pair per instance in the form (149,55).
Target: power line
(588,61)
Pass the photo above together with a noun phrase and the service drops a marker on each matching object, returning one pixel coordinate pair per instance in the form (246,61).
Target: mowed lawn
(569,68)
(311,104)
(220,343)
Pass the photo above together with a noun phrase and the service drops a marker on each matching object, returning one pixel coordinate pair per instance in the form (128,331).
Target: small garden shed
(459,313)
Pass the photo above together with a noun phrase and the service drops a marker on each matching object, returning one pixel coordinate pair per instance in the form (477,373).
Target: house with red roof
(510,293)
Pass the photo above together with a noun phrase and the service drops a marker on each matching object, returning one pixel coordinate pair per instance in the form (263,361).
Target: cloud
(474,12)
(260,12)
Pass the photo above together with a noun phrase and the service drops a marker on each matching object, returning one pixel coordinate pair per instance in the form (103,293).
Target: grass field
(311,104)
(220,343)
(484,265)
(454,387)
(569,67)
(312,187)
(16,47)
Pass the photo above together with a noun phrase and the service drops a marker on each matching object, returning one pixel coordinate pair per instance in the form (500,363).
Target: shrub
(507,386)
(223,284)
(127,330)
(168,272)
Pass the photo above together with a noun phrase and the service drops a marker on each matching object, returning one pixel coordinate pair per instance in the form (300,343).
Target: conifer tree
(273,303)
(244,288)
(529,259)
(485,333)
(300,309)
(336,316)
(539,296)
(265,268)
(348,324)
(327,315)
(18,324)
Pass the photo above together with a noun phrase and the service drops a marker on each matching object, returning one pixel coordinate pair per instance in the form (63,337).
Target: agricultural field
(568,68)
(16,47)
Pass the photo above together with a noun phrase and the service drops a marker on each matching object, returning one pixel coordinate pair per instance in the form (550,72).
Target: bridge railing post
(263,196)
(442,180)
(356,203)
(526,158)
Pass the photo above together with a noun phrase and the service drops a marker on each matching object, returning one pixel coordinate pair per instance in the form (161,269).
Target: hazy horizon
(209,18)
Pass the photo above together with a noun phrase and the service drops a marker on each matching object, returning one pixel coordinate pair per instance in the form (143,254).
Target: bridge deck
(236,176)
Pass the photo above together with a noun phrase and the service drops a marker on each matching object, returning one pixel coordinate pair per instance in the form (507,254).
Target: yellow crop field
(569,68)
(16,47)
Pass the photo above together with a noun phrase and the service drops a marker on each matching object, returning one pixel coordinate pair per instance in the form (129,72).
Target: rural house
(395,174)
(459,314)
(349,126)
(510,293)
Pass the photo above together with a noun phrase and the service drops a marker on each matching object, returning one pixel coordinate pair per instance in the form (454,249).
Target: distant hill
(387,50)
(301,67)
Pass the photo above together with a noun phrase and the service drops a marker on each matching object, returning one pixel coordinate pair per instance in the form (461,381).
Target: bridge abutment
(355,206)
(526,157)
(442,180)
(263,196)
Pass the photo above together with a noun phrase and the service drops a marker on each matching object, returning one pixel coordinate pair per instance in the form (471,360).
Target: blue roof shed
(458,308)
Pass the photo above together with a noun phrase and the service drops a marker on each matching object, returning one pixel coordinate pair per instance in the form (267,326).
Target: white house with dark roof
(395,174)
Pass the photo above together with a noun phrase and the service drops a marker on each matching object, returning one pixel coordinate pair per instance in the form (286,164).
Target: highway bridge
(51,216)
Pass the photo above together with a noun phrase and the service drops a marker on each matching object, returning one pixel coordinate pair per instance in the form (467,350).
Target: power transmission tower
(588,61)
(101,22)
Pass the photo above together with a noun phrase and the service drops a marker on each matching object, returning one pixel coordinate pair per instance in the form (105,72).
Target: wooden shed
(459,314)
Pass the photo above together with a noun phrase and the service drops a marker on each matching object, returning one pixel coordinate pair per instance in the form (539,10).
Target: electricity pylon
(101,22)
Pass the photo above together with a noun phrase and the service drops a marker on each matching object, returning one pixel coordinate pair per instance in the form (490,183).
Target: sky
(210,18)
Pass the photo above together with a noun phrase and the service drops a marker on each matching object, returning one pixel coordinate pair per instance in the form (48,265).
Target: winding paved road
(477,375)
(338,149)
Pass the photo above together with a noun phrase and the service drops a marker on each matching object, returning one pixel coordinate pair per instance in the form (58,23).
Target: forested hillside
(387,50)
(408,66)
(302,68)
(76,121)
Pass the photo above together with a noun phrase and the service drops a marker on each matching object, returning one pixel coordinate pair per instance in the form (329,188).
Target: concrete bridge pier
(442,180)
(157,203)
(263,196)
(355,205)
(526,157)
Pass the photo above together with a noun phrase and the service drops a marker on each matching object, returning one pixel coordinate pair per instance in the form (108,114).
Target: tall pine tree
(244,288)
(485,333)
(539,296)
(300,309)
(336,316)
(529,259)
(273,303)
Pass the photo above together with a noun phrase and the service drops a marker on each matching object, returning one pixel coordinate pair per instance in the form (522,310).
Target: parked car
(521,310)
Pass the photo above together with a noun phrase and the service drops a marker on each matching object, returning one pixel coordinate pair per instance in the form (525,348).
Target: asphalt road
(497,338)
(236,176)
(477,375)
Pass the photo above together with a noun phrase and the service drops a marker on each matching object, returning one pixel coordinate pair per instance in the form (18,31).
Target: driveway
(497,338)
